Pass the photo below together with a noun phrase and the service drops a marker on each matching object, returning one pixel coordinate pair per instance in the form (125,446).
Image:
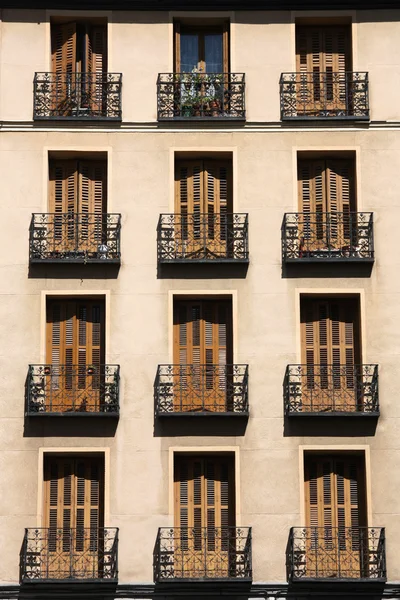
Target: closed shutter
(326,191)
(323,49)
(204,509)
(203,346)
(204,492)
(330,351)
(75,350)
(203,201)
(335,502)
(73,504)
(323,53)
(78,200)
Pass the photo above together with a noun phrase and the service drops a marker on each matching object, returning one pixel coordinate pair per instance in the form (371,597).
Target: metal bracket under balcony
(332,236)
(204,96)
(58,555)
(77,96)
(75,238)
(73,390)
(203,554)
(202,390)
(331,390)
(203,238)
(336,554)
(329,96)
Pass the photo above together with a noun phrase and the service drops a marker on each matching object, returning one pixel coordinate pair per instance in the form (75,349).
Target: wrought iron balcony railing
(77,96)
(200,237)
(331,390)
(333,236)
(202,390)
(201,96)
(201,553)
(75,237)
(317,95)
(336,554)
(81,554)
(75,390)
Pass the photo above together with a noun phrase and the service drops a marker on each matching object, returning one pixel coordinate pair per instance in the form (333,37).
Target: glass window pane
(189,52)
(213,52)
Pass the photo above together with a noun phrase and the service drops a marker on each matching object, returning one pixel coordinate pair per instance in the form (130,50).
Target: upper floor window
(78,86)
(202,48)
(324,85)
(201,84)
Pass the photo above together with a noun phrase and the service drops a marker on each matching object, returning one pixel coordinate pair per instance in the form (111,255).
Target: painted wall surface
(139,329)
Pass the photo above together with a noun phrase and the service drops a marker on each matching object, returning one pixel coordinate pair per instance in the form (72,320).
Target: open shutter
(225,46)
(177,46)
(63,47)
(92,203)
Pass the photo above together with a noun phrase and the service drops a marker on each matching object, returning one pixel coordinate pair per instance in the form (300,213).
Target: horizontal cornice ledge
(202,4)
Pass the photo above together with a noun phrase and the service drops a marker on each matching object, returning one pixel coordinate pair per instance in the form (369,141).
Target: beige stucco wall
(138,301)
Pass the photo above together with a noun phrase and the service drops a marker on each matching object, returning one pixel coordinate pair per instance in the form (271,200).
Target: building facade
(199,299)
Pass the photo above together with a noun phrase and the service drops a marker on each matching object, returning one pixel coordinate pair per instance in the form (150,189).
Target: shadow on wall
(329,426)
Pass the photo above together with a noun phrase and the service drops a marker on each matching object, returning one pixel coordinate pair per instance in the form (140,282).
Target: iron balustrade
(201,96)
(60,554)
(329,95)
(77,96)
(336,554)
(75,390)
(332,236)
(75,237)
(331,389)
(203,553)
(202,390)
(203,237)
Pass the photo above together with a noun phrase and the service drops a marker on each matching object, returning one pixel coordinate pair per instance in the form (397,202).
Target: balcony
(75,238)
(331,390)
(73,555)
(335,96)
(72,390)
(336,554)
(201,96)
(333,236)
(203,238)
(203,554)
(77,96)
(202,390)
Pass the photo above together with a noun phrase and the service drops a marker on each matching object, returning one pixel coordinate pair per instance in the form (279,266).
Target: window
(203,351)
(203,48)
(331,354)
(78,206)
(323,57)
(327,202)
(335,511)
(73,515)
(79,60)
(204,512)
(76,354)
(203,201)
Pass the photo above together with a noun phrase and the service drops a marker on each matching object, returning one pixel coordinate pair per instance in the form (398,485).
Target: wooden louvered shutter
(73,495)
(97,67)
(335,502)
(341,201)
(204,509)
(63,41)
(225,46)
(330,351)
(92,204)
(323,52)
(203,199)
(312,205)
(75,349)
(177,46)
(203,342)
